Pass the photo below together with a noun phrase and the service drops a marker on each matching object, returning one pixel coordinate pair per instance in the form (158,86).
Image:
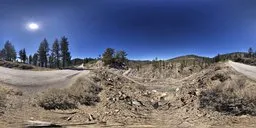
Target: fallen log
(35,124)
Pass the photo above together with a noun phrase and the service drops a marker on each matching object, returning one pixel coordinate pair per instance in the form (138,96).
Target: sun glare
(33,26)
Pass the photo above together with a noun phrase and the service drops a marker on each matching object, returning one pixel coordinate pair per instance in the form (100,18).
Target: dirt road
(38,80)
(249,71)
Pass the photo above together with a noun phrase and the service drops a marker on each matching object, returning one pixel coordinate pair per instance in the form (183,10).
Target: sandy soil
(249,71)
(35,80)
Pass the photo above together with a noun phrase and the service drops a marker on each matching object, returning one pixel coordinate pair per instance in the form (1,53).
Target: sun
(33,26)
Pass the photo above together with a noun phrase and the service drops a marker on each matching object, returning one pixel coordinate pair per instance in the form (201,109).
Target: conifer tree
(9,52)
(65,54)
(35,59)
(107,56)
(43,52)
(30,59)
(56,54)
(23,55)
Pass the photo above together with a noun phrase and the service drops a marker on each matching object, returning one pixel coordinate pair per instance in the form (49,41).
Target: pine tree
(51,61)
(56,53)
(43,53)
(35,59)
(23,55)
(217,58)
(120,57)
(107,56)
(9,52)
(3,54)
(30,59)
(65,54)
(250,52)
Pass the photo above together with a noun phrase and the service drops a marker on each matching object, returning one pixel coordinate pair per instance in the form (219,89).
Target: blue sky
(144,28)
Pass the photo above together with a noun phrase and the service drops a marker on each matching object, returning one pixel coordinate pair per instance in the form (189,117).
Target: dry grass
(81,92)
(3,98)
(230,93)
(56,99)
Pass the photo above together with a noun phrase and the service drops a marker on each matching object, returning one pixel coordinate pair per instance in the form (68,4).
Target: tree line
(250,55)
(58,56)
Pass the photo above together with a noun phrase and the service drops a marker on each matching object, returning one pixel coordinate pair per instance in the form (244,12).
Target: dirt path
(249,71)
(37,80)
(125,75)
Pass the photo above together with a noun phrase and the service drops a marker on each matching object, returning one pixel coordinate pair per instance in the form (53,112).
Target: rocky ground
(218,96)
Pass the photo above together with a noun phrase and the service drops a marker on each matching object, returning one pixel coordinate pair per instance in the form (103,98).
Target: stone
(137,103)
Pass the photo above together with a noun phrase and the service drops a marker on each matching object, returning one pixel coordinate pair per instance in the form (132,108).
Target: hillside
(173,68)
(189,57)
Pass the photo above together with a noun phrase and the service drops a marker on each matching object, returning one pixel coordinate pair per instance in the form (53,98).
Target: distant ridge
(189,57)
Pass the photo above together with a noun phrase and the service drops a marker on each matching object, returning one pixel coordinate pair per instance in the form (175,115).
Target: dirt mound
(120,100)
(123,100)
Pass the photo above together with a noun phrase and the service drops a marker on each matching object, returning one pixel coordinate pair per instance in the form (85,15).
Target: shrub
(3,99)
(220,77)
(26,67)
(86,98)
(85,92)
(82,92)
(56,99)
